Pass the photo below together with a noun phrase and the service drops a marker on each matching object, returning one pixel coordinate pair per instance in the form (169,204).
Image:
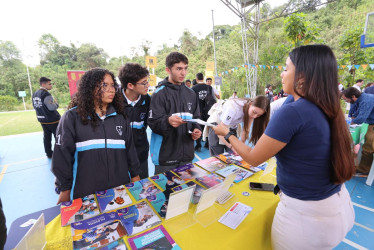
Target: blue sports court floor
(27,186)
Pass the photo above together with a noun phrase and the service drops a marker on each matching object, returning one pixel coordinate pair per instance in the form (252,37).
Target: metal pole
(214,48)
(28,76)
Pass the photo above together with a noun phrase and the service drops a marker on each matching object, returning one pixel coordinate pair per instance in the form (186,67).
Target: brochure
(142,189)
(97,231)
(241,174)
(78,209)
(210,180)
(179,202)
(138,217)
(116,245)
(159,203)
(189,172)
(199,121)
(211,164)
(113,199)
(156,238)
(167,179)
(233,159)
(183,186)
(236,214)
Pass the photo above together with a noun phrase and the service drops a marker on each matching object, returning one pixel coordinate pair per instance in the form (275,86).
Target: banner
(209,66)
(151,61)
(152,80)
(73,77)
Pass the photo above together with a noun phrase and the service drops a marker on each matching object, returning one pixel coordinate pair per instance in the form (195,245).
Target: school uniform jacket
(169,145)
(86,160)
(138,116)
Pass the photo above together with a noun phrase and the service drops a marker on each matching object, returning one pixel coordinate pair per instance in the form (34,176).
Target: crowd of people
(101,142)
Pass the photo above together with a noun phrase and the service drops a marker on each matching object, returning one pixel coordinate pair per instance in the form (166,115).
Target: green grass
(21,122)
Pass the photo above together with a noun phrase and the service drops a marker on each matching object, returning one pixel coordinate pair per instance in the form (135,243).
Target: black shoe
(198,149)
(361,174)
(50,155)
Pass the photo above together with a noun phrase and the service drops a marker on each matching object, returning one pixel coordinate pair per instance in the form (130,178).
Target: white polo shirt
(232,113)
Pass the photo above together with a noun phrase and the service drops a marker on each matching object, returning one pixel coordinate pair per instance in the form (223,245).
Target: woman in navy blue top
(312,145)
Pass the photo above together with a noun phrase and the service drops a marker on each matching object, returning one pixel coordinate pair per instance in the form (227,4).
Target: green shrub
(8,103)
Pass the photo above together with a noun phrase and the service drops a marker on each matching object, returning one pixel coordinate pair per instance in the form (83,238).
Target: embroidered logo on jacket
(119,130)
(142,116)
(189,105)
(228,118)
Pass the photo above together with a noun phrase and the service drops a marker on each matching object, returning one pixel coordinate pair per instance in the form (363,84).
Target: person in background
(188,83)
(312,144)
(370,88)
(216,93)
(94,148)
(364,114)
(269,92)
(358,84)
(194,82)
(234,112)
(135,84)
(205,94)
(46,107)
(172,141)
(3,230)
(234,95)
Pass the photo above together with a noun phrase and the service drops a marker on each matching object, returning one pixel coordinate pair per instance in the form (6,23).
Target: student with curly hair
(94,144)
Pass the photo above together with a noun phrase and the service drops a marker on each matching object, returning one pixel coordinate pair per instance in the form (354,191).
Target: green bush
(8,103)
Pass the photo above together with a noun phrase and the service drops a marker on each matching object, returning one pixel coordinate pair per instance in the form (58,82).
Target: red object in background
(73,77)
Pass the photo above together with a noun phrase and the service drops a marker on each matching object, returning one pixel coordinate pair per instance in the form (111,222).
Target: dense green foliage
(338,24)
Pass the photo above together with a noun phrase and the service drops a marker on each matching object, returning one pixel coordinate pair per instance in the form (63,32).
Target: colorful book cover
(210,180)
(156,238)
(116,245)
(167,180)
(97,231)
(211,164)
(183,186)
(138,217)
(160,203)
(78,209)
(113,199)
(189,172)
(142,189)
(241,174)
(233,159)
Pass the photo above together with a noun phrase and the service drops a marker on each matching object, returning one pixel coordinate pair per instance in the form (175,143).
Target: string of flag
(275,67)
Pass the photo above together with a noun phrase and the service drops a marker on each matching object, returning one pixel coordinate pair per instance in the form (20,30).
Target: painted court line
(355,245)
(5,167)
(364,207)
(197,157)
(365,227)
(21,162)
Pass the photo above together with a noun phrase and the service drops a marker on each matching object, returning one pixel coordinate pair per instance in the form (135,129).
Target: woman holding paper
(312,144)
(234,112)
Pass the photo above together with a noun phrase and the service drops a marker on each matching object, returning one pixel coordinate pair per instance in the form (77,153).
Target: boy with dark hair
(172,142)
(46,111)
(206,101)
(135,84)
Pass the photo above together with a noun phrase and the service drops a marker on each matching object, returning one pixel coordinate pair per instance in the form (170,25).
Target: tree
(300,31)
(8,52)
(89,56)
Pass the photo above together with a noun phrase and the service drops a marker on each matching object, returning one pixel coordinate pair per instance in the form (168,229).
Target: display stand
(35,237)
(180,223)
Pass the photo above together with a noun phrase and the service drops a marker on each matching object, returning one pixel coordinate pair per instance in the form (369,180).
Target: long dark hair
(260,123)
(87,94)
(316,79)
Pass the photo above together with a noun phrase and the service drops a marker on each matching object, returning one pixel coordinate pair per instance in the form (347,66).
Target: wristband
(228,136)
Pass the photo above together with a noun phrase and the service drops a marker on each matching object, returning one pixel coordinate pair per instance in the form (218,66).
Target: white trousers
(318,225)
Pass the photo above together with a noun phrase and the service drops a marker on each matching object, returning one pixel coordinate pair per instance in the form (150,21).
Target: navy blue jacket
(87,159)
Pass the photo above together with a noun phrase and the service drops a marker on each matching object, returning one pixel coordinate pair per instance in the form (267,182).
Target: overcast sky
(114,25)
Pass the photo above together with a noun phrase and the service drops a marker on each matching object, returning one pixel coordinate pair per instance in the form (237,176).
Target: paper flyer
(142,189)
(113,198)
(199,121)
(241,174)
(235,215)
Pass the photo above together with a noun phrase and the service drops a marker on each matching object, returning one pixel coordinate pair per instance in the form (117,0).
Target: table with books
(171,210)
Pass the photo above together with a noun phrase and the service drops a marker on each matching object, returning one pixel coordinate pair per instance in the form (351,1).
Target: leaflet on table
(78,209)
(241,174)
(116,245)
(238,160)
(197,192)
(159,203)
(138,217)
(113,199)
(167,180)
(97,231)
(156,238)
(210,180)
(189,172)
(211,164)
(199,121)
(235,215)
(142,189)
